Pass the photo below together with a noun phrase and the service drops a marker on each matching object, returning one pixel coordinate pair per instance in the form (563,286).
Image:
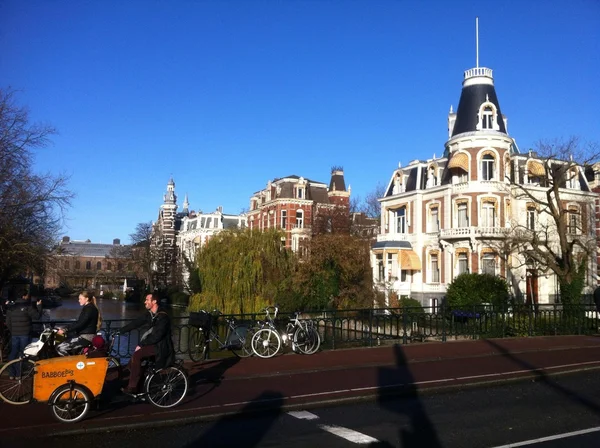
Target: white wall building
(448,215)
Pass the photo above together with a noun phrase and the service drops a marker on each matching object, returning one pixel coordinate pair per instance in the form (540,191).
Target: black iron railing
(371,327)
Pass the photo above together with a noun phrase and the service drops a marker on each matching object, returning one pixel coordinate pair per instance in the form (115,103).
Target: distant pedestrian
(19,319)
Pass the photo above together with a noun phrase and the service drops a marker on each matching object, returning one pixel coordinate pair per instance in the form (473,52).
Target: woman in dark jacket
(155,340)
(19,319)
(84,329)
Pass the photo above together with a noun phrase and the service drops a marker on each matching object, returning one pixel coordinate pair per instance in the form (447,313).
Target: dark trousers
(17,345)
(135,365)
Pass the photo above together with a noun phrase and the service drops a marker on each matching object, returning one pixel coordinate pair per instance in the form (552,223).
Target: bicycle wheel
(71,403)
(307,340)
(266,343)
(242,341)
(166,388)
(16,381)
(197,344)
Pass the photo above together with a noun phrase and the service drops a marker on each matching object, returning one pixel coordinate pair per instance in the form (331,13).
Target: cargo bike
(70,384)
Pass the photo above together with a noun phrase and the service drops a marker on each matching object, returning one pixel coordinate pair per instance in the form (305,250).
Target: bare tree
(142,251)
(32,205)
(557,235)
(370,206)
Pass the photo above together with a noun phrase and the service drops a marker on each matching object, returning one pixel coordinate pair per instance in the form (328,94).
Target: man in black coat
(19,319)
(155,340)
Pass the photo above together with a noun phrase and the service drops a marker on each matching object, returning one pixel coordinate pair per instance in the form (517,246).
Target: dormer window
(488,117)
(431,177)
(300,192)
(572,181)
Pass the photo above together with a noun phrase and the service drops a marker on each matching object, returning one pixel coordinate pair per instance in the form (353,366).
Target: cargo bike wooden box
(69,384)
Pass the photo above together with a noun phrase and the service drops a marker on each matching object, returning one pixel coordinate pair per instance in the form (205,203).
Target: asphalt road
(480,416)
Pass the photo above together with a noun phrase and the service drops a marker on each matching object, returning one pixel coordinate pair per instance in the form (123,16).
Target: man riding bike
(155,340)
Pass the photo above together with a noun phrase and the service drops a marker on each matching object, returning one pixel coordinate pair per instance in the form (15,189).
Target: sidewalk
(231,386)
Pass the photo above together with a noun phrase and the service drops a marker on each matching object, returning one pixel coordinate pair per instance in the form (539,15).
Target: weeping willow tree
(242,271)
(336,274)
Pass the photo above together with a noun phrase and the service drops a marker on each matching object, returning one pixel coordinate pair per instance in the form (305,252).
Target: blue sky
(226,95)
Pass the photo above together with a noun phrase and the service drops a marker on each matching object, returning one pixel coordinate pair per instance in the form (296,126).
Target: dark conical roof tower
(478,108)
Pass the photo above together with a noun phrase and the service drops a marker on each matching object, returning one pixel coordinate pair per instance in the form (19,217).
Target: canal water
(117,313)
(110,310)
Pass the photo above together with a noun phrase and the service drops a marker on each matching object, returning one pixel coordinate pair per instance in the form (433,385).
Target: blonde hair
(92,299)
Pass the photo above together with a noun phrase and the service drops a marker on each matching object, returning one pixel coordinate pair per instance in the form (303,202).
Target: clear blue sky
(226,95)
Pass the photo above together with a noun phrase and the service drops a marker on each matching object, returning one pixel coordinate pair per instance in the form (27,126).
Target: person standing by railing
(19,319)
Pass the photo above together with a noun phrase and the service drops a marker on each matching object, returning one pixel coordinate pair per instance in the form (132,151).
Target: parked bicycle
(203,331)
(303,335)
(266,341)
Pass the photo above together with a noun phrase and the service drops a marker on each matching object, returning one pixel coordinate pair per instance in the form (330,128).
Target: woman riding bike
(84,329)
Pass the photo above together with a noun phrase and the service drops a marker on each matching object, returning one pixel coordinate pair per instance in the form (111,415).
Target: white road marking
(349,434)
(303,415)
(547,439)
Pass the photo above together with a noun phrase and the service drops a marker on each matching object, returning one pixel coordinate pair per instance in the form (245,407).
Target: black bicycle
(203,331)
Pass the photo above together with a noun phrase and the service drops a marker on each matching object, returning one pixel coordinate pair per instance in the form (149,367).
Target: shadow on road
(543,377)
(227,431)
(211,371)
(398,380)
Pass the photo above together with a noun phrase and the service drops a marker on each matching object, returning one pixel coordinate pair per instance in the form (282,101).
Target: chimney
(116,242)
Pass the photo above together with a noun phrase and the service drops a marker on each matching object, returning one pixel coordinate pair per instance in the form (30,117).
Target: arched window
(488,117)
(462,263)
(462,215)
(109,266)
(99,266)
(431,177)
(434,267)
(488,214)
(487,167)
(488,264)
(531,215)
(88,265)
(78,264)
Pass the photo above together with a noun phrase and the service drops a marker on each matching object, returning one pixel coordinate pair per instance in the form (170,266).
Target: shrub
(470,290)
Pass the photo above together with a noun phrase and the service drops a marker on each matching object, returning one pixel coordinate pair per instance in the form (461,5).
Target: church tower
(167,214)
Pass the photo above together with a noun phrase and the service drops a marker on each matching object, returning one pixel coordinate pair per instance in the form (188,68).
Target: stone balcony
(474,232)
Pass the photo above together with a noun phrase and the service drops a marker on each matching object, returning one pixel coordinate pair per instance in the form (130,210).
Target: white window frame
(488,213)
(484,264)
(462,219)
(488,167)
(299,218)
(434,218)
(401,222)
(434,263)
(462,264)
(283,219)
(531,218)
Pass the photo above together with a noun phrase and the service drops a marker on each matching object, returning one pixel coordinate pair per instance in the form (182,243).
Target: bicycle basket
(200,319)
